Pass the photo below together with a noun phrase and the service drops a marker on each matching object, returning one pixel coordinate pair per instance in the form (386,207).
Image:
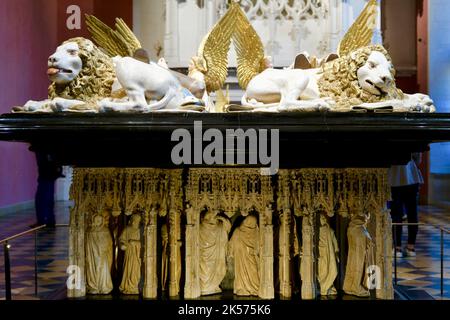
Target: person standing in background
(48,172)
(405,182)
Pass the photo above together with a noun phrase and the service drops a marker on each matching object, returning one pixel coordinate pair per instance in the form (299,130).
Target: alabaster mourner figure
(328,250)
(214,231)
(130,242)
(359,254)
(244,248)
(99,258)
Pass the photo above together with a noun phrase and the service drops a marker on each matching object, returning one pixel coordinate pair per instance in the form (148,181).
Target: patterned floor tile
(427,263)
(415,283)
(410,276)
(52,253)
(405,270)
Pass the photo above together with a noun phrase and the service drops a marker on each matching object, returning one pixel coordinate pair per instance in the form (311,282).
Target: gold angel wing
(360,33)
(118,42)
(214,51)
(249,49)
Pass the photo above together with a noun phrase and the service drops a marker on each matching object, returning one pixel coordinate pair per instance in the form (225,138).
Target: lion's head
(364,76)
(80,70)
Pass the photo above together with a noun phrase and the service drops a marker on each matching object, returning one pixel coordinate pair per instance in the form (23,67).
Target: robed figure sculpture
(244,248)
(214,230)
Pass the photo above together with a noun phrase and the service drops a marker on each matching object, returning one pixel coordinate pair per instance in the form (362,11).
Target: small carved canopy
(347,192)
(117,191)
(230,190)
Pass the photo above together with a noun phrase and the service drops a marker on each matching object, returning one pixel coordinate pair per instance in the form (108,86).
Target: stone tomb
(294,217)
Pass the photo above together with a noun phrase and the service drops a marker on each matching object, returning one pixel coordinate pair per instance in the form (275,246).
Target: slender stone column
(192,287)
(380,225)
(285,254)
(77,279)
(175,254)
(335,23)
(76,285)
(150,258)
(171,34)
(266,288)
(383,254)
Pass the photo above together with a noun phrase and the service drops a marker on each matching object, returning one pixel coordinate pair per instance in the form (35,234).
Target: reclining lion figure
(363,79)
(85,79)
(80,74)
(359,76)
(149,87)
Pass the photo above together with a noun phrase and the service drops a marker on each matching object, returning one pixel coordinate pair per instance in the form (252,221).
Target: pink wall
(30,30)
(105,10)
(27,36)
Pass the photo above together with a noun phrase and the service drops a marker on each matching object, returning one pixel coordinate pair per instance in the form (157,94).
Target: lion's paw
(57,106)
(33,106)
(421,103)
(423,109)
(325,104)
(63,105)
(107,105)
(107,108)
(324,107)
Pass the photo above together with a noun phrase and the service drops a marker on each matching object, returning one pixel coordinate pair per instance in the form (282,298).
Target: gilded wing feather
(360,33)
(222,99)
(214,51)
(119,42)
(249,49)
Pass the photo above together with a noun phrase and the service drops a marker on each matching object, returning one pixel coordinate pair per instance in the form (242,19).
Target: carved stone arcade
(343,194)
(118,193)
(177,198)
(234,191)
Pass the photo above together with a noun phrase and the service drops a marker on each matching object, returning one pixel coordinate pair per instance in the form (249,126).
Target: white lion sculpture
(80,73)
(152,82)
(363,79)
(85,79)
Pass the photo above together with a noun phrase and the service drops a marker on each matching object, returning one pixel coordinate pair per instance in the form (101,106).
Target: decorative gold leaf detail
(249,49)
(118,42)
(213,51)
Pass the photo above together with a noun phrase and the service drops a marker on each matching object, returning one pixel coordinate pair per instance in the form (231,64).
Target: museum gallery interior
(225,149)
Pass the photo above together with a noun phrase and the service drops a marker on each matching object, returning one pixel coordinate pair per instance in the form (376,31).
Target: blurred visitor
(48,172)
(405,182)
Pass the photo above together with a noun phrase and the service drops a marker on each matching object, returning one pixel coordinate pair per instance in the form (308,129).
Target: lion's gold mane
(339,80)
(95,79)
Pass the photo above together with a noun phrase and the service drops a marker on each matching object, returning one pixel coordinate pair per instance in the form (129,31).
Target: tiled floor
(418,277)
(52,254)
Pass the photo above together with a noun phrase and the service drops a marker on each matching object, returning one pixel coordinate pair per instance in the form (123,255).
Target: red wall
(30,30)
(109,10)
(105,10)
(27,35)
